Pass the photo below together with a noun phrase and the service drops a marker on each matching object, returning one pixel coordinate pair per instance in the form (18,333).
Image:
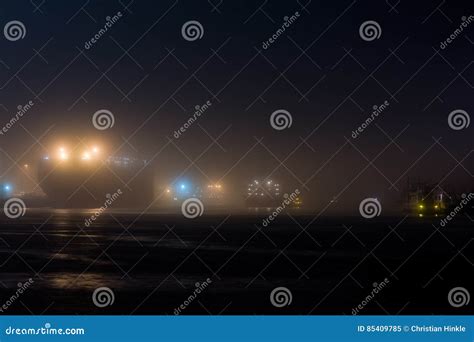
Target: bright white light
(86,156)
(63,155)
(95,149)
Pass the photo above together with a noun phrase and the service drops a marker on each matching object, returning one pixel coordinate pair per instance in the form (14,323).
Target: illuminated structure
(263,193)
(212,193)
(85,177)
(426,200)
(297,203)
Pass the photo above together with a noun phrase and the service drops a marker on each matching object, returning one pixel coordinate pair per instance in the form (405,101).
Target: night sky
(320,70)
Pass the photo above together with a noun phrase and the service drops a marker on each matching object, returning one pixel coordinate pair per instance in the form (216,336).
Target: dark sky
(320,70)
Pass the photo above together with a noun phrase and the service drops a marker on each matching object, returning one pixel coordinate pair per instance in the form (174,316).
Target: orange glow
(63,154)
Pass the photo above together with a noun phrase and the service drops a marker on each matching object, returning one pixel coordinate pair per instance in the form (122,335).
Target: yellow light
(421,206)
(63,155)
(95,149)
(436,206)
(86,156)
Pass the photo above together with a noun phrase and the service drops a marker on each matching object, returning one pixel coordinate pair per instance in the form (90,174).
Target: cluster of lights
(257,188)
(186,188)
(421,208)
(63,154)
(214,186)
(89,154)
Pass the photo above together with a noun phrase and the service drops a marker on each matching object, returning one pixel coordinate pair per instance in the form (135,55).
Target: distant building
(263,193)
(424,199)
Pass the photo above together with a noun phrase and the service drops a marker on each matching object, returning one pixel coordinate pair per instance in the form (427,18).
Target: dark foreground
(152,263)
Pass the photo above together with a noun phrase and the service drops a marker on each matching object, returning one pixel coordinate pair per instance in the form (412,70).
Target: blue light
(183,188)
(7,187)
